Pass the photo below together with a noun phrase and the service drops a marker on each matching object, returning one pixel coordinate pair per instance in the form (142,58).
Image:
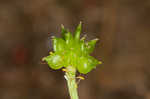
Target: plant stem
(70,76)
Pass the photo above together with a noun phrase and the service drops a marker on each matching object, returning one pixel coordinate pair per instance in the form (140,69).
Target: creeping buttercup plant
(72,54)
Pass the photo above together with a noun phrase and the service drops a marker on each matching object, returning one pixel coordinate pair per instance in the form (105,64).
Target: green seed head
(70,50)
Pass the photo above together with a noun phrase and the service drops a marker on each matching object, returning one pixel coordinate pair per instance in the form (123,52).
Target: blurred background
(121,25)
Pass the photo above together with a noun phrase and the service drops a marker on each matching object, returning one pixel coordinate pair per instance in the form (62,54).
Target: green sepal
(58,44)
(86,64)
(66,35)
(54,61)
(67,60)
(82,47)
(68,38)
(94,62)
(63,31)
(78,31)
(91,45)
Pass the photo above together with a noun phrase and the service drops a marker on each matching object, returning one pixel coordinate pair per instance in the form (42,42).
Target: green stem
(70,76)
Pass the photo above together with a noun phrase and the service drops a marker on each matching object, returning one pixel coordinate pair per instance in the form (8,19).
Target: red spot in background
(48,34)
(20,55)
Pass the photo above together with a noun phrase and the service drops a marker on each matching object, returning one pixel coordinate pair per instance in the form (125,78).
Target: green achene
(70,50)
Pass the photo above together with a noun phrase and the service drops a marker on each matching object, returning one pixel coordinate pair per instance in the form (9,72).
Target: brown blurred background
(121,25)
